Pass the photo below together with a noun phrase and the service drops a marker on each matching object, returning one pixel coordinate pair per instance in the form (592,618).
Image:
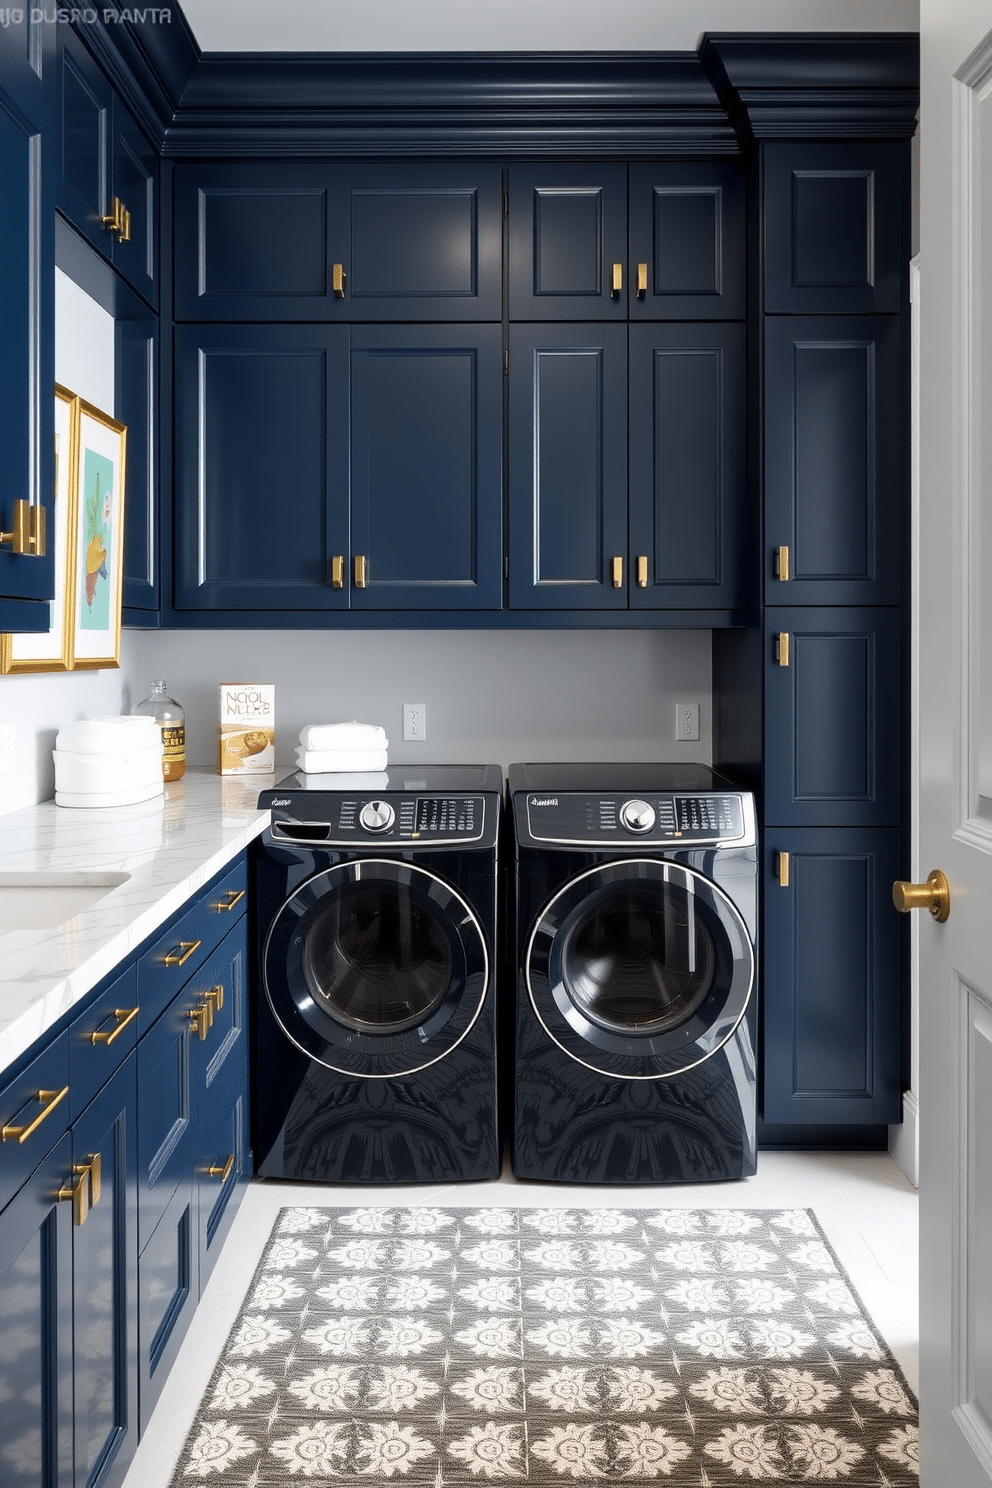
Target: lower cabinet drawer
(34,1113)
(102,1037)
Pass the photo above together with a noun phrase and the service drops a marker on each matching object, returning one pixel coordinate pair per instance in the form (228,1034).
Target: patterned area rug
(429,1346)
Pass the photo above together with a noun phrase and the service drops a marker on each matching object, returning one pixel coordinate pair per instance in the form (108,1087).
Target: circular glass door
(375,968)
(640,969)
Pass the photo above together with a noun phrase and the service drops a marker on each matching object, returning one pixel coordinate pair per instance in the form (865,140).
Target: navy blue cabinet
(136,405)
(109,171)
(661,241)
(835,463)
(27,319)
(328,467)
(568,466)
(835,227)
(832,1004)
(627,466)
(832,717)
(328,242)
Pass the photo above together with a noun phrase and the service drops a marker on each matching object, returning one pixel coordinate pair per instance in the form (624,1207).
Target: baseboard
(904,1140)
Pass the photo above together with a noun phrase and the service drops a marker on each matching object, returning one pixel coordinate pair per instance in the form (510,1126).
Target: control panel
(344,820)
(613,819)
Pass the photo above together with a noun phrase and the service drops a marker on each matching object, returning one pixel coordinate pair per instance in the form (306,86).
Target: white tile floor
(862,1199)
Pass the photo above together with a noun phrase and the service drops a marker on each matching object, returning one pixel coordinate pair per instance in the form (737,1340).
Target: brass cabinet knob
(934,895)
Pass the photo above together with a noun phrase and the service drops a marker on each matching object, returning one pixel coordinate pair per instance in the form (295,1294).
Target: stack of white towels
(327,748)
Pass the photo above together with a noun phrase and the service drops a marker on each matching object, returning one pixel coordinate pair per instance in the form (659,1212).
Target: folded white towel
(352,735)
(333,761)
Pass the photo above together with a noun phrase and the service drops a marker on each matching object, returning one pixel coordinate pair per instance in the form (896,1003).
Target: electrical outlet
(6,748)
(414,722)
(687,720)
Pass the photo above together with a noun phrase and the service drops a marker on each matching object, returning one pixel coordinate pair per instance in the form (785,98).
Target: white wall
(38,703)
(494,696)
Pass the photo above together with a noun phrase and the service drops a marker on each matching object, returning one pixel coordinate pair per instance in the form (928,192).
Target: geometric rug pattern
(430,1347)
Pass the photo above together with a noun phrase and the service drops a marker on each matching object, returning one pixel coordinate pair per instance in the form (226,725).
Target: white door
(955,769)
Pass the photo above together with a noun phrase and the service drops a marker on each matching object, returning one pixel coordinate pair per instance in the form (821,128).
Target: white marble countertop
(169,848)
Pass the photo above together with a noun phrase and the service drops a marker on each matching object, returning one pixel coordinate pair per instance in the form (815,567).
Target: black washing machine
(636,917)
(375,1020)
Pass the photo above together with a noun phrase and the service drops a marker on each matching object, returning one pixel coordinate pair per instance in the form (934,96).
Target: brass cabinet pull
(338,277)
(49,1100)
(617,284)
(782,869)
(782,564)
(782,648)
(78,1192)
(337,571)
(642,280)
(85,1192)
(215,996)
(187,947)
(642,571)
(934,895)
(231,898)
(361,571)
(118,221)
(617,568)
(28,537)
(223,1173)
(106,1036)
(201,1017)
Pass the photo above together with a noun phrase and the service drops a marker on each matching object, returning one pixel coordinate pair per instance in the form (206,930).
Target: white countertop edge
(35,989)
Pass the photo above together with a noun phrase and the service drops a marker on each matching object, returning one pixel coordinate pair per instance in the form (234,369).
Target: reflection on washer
(636,914)
(375,1031)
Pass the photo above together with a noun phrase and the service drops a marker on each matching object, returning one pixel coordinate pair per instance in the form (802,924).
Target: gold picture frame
(51,650)
(99,539)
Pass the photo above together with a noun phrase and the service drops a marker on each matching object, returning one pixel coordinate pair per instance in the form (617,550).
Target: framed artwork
(51,650)
(99,539)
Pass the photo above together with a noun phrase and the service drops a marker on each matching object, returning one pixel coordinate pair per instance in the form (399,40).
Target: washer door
(375,968)
(640,969)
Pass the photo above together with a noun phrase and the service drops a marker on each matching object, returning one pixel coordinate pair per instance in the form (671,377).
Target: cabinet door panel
(833,227)
(36,1307)
(568,466)
(831,978)
(426,243)
(167,1294)
(256,242)
(135,182)
(136,404)
(687,466)
(426,476)
(261,466)
(568,227)
(834,459)
(832,721)
(166,1113)
(27,316)
(687,227)
(224,1162)
(105,1289)
(84,178)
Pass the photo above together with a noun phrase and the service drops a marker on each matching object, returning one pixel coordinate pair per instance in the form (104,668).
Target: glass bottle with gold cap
(171,718)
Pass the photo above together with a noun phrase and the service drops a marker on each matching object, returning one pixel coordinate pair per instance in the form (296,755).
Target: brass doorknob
(934,895)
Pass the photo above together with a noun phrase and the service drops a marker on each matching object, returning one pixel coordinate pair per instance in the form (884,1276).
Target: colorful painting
(51,650)
(95,587)
(100,480)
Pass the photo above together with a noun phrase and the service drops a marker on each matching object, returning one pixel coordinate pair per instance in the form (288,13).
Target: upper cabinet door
(317,242)
(135,170)
(687,242)
(27,340)
(426,243)
(258,242)
(833,228)
(568,467)
(426,467)
(688,471)
(261,504)
(568,242)
(834,460)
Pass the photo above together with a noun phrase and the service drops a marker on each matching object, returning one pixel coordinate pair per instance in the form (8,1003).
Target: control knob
(377,816)
(637,816)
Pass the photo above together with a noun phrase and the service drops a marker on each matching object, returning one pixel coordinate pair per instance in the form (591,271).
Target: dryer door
(640,969)
(375,968)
